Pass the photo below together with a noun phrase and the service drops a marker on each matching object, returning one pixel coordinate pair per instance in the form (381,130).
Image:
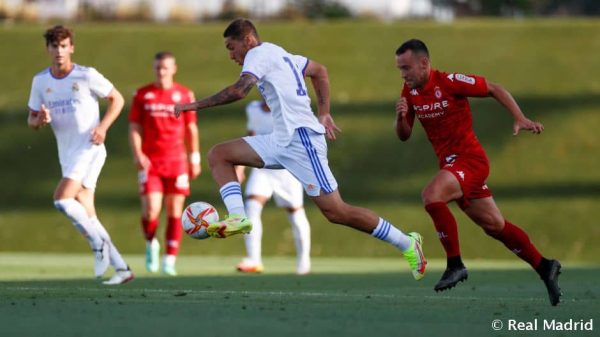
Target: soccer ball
(196,218)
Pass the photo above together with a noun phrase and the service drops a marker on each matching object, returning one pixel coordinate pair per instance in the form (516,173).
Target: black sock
(454,262)
(544,267)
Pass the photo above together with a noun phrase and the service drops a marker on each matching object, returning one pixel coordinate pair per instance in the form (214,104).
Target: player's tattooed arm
(232,93)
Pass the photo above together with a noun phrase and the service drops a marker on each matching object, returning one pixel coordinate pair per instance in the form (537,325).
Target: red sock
(446,227)
(174,232)
(149,228)
(515,239)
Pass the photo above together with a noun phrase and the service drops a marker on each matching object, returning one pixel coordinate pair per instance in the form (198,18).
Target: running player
(439,101)
(284,188)
(65,95)
(297,142)
(158,142)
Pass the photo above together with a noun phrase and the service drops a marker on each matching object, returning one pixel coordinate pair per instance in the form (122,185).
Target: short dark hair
(239,28)
(417,46)
(59,33)
(161,55)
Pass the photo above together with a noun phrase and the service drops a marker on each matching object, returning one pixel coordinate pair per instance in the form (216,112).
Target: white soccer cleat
(169,265)
(101,259)
(303,267)
(152,252)
(120,277)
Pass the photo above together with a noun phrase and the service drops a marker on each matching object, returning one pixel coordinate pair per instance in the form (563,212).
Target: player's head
(60,44)
(412,58)
(240,36)
(164,67)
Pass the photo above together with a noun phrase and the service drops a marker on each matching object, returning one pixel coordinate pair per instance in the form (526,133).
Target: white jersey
(73,105)
(281,82)
(260,122)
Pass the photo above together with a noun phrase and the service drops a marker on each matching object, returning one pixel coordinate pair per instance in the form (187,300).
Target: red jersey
(162,133)
(443,109)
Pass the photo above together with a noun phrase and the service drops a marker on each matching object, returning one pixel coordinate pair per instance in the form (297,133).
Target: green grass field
(53,295)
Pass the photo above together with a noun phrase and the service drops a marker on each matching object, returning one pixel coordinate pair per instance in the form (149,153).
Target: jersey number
(300,91)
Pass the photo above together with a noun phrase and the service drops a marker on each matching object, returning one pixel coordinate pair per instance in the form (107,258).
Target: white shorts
(85,166)
(279,184)
(305,157)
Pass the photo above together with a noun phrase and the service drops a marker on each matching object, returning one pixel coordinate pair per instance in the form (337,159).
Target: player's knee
(214,156)
(492,227)
(428,196)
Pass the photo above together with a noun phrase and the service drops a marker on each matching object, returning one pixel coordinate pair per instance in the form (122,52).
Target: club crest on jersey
(48,90)
(176,96)
(414,92)
(149,95)
(75,87)
(438,92)
(451,158)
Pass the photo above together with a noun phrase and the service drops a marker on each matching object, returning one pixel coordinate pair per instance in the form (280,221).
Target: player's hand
(330,127)
(401,108)
(141,162)
(98,135)
(195,170)
(44,115)
(526,124)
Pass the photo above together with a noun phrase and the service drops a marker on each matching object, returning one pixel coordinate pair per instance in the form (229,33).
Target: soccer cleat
(451,277)
(551,282)
(414,256)
(169,265)
(152,252)
(303,267)
(231,225)
(101,259)
(120,277)
(249,266)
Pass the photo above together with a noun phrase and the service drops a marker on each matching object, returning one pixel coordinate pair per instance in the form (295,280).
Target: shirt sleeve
(467,85)
(35,96)
(256,64)
(190,115)
(99,85)
(301,62)
(135,112)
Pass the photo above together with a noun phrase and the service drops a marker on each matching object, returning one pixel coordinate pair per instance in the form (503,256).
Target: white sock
(75,211)
(116,260)
(387,232)
(301,231)
(231,193)
(254,238)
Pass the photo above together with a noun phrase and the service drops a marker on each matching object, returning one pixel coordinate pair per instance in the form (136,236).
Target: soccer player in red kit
(158,142)
(440,101)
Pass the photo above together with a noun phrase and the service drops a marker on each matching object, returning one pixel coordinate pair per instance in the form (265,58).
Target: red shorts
(165,176)
(471,173)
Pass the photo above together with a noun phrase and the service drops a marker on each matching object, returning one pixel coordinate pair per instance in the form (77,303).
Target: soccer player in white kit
(287,192)
(65,95)
(297,142)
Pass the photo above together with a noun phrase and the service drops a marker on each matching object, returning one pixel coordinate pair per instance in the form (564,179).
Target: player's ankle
(454,262)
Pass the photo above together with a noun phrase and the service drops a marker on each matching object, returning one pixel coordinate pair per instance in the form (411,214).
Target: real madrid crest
(75,86)
(438,92)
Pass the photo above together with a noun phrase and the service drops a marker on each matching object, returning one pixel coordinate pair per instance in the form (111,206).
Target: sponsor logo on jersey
(438,92)
(159,109)
(414,92)
(176,96)
(464,78)
(434,108)
(149,95)
(75,86)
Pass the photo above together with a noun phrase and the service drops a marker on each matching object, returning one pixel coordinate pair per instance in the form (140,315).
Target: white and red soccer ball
(196,218)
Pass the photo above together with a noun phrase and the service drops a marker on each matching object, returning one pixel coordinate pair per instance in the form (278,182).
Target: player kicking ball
(440,101)
(65,95)
(297,142)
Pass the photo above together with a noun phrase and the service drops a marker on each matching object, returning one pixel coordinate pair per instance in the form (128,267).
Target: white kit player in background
(297,142)
(287,192)
(65,95)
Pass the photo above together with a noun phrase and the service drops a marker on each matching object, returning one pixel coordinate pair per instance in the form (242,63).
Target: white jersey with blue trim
(280,78)
(73,104)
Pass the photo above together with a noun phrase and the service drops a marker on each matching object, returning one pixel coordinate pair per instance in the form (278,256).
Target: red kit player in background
(439,101)
(158,142)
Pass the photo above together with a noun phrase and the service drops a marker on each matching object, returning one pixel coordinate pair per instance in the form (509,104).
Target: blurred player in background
(287,191)
(65,95)
(439,101)
(297,142)
(158,141)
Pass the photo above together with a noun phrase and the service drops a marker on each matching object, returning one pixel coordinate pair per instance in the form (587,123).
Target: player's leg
(486,214)
(222,159)
(151,205)
(443,188)
(252,263)
(174,207)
